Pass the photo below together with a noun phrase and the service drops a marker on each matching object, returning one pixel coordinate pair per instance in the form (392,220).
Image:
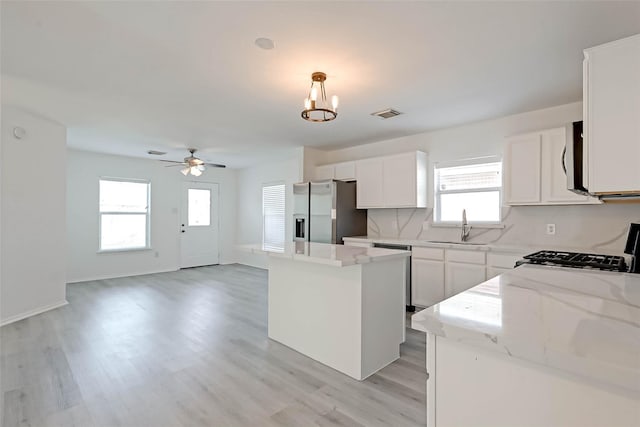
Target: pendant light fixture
(316,107)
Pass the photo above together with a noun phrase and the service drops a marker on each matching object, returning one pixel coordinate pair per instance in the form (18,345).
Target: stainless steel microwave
(574,160)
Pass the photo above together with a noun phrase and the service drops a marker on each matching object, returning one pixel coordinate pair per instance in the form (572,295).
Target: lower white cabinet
(437,273)
(427,282)
(461,276)
(501,262)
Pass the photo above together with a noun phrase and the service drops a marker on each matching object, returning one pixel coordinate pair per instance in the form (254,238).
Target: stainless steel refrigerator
(325,212)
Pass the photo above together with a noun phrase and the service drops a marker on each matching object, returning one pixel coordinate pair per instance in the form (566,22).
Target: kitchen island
(339,305)
(536,346)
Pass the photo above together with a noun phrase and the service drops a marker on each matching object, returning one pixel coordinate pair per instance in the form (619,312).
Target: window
(124,214)
(273,217)
(198,207)
(475,187)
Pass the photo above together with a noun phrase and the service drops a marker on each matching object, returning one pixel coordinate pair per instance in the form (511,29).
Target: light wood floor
(188,348)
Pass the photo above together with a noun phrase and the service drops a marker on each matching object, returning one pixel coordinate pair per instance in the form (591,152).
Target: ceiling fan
(192,164)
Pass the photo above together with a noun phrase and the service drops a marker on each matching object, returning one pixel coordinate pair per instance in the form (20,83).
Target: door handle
(563,159)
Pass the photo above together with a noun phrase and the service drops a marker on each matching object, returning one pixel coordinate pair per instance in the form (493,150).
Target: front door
(199,224)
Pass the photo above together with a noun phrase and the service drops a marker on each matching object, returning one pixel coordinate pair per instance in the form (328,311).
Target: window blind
(273,215)
(486,175)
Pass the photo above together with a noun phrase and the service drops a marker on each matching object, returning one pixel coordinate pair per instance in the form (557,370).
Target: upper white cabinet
(344,171)
(369,183)
(534,170)
(396,181)
(522,169)
(611,102)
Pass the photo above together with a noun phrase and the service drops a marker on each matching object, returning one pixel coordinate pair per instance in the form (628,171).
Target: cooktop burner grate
(578,260)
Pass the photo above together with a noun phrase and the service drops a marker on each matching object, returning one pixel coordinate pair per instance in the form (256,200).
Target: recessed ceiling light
(264,43)
(386,114)
(156,153)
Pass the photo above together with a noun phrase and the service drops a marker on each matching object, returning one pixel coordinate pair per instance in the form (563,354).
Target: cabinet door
(522,179)
(345,171)
(612,108)
(496,271)
(554,177)
(427,282)
(400,180)
(460,277)
(369,176)
(324,172)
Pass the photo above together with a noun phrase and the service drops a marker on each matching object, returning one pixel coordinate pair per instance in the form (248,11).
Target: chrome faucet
(466,228)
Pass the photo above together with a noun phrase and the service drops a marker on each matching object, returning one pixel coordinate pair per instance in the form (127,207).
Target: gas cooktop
(576,260)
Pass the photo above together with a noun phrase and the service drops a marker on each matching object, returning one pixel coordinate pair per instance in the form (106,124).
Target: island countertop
(328,254)
(578,321)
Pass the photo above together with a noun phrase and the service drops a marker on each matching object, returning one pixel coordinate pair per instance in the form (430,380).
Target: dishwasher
(410,306)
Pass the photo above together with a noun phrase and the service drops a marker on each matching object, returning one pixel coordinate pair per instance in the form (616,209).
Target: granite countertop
(581,321)
(328,254)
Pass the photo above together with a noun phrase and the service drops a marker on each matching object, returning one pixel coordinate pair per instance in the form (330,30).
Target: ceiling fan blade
(216,165)
(177,164)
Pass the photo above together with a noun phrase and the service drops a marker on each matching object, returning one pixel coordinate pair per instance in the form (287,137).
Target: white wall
(84,172)
(598,228)
(249,201)
(33,215)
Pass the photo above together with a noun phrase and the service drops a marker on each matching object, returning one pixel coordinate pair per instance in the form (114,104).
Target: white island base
(351,318)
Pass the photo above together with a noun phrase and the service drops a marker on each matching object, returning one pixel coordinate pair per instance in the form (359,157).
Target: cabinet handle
(563,159)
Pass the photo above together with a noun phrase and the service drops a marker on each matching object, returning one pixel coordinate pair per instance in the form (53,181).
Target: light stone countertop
(585,322)
(474,246)
(328,254)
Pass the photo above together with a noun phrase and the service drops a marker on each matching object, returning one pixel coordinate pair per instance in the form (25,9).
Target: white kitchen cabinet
(405,180)
(324,172)
(611,102)
(523,155)
(464,269)
(396,181)
(369,183)
(461,276)
(534,173)
(343,171)
(498,263)
(427,276)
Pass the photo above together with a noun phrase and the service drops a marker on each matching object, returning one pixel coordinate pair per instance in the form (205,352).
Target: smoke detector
(386,114)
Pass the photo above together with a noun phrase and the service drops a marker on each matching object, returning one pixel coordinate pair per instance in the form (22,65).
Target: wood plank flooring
(187,348)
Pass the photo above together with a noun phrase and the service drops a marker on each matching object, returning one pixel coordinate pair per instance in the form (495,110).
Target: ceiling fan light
(195,171)
(185,171)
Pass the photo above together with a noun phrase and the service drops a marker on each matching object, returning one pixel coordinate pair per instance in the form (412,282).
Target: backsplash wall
(599,228)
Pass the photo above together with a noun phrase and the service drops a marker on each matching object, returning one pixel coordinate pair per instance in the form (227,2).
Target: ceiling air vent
(386,114)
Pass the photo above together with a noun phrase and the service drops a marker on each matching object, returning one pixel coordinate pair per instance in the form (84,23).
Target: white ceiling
(126,77)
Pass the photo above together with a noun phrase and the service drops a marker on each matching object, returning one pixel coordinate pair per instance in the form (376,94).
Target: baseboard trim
(33,312)
(90,279)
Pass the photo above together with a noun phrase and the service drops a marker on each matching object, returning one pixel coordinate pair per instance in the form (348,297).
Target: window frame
(466,162)
(147,215)
(284,214)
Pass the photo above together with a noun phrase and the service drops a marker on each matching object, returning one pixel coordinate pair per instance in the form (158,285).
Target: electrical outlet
(394,225)
(425,226)
(551,229)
